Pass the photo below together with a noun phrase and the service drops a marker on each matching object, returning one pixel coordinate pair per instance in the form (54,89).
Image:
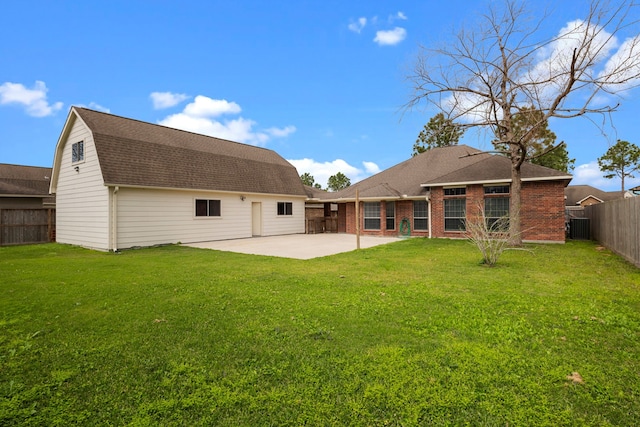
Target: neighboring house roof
(443,166)
(24,181)
(136,153)
(576,194)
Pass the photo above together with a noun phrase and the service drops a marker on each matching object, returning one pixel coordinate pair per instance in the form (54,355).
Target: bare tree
(487,75)
(490,235)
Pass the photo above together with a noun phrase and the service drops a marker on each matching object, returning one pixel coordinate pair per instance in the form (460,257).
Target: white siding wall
(149,217)
(82,200)
(274,224)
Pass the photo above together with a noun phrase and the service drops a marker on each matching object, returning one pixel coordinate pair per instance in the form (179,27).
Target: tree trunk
(515,229)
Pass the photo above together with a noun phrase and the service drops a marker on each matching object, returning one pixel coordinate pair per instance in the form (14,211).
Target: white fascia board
(494,181)
(579,202)
(191,190)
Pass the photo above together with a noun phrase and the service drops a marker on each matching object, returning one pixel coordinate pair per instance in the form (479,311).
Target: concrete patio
(299,246)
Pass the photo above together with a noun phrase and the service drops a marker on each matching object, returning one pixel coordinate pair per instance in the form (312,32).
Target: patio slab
(298,246)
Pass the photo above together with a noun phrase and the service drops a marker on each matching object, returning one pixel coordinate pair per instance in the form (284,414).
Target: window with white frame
(420,215)
(285,208)
(372,216)
(77,152)
(205,207)
(496,206)
(390,210)
(455,209)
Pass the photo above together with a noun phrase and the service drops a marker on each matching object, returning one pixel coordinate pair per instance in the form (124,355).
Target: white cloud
(623,66)
(358,25)
(281,132)
(390,37)
(167,99)
(551,68)
(198,116)
(550,74)
(398,16)
(96,106)
(590,174)
(371,168)
(204,106)
(321,171)
(33,100)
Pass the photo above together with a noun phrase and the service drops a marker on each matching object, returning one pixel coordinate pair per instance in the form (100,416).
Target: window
(457,191)
(207,207)
(77,152)
(372,216)
(496,208)
(420,215)
(391,215)
(455,210)
(496,189)
(285,208)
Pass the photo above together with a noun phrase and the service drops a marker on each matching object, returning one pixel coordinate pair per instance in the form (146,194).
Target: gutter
(429,207)
(114,219)
(495,181)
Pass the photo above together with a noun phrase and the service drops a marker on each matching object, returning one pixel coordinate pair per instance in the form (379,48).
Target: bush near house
(412,333)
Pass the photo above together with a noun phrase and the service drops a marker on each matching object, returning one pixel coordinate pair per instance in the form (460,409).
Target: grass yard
(412,333)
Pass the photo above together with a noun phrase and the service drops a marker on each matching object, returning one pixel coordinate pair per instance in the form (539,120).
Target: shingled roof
(404,179)
(457,164)
(17,180)
(136,153)
(575,194)
(496,168)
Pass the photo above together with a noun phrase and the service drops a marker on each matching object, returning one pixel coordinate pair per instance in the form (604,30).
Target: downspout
(429,208)
(114,220)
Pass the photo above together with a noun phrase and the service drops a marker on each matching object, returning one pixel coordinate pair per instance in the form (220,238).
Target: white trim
(429,213)
(579,202)
(114,219)
(494,181)
(200,190)
(369,199)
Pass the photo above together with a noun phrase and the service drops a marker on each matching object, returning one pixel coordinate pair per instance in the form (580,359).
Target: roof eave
(372,199)
(208,190)
(496,181)
(589,196)
(32,196)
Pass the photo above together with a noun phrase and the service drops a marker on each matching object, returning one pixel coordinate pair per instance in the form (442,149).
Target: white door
(256,219)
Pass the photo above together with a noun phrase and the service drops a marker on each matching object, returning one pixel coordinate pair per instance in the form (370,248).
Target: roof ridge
(167,127)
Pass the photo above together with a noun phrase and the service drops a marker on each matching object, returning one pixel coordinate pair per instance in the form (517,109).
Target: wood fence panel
(616,225)
(25,226)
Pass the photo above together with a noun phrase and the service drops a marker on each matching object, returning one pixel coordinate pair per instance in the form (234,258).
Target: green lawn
(412,333)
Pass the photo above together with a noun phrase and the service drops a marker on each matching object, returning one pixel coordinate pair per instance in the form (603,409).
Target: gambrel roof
(443,166)
(141,154)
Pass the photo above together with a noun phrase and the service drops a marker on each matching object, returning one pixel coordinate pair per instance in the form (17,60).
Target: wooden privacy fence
(615,225)
(25,226)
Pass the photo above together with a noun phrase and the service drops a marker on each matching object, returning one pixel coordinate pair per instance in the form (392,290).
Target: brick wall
(404,209)
(543,212)
(542,215)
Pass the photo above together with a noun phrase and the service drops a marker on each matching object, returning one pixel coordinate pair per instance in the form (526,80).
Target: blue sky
(320,82)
